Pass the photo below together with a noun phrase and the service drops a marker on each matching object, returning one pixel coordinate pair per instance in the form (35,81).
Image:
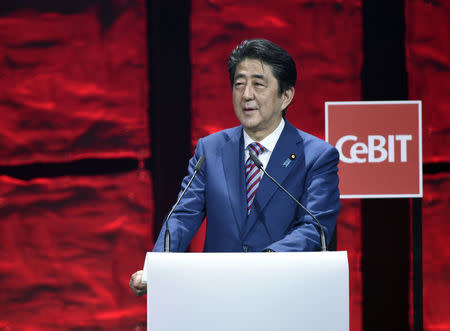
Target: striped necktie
(253,174)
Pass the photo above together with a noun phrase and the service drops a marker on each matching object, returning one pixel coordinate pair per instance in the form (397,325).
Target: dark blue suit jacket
(275,221)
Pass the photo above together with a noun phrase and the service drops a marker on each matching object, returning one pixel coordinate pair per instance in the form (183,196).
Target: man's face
(256,101)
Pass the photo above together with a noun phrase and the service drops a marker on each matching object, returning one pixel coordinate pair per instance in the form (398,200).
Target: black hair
(283,66)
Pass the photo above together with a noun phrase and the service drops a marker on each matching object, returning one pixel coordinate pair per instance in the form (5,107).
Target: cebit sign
(380,147)
(361,153)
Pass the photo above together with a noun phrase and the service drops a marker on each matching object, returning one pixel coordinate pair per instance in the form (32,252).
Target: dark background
(102,103)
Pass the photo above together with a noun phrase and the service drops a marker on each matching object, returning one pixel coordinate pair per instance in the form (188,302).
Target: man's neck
(270,140)
(260,135)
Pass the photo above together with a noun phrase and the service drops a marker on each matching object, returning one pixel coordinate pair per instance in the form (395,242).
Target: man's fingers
(136,284)
(137,275)
(138,292)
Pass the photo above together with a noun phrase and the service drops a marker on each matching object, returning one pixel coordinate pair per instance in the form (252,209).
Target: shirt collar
(270,141)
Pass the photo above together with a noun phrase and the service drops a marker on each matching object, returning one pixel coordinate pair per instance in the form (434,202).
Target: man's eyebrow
(259,76)
(263,77)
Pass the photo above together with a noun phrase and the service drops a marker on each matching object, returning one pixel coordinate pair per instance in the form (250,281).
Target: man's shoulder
(311,141)
(309,138)
(223,136)
(315,148)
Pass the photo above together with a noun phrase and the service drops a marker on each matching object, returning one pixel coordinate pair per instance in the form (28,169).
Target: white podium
(247,291)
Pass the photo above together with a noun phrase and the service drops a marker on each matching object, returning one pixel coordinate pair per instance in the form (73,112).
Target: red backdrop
(71,89)
(67,249)
(73,86)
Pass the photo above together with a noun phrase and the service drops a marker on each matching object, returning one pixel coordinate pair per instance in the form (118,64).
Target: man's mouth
(248,109)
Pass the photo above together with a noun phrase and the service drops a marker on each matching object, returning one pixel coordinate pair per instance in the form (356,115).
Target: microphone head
(199,164)
(255,160)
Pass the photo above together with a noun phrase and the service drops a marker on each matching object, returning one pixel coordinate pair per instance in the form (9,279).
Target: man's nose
(248,92)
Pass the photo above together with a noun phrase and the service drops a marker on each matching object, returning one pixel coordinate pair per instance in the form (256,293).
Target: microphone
(197,168)
(322,233)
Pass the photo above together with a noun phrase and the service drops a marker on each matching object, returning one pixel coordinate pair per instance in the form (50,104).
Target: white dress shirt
(268,143)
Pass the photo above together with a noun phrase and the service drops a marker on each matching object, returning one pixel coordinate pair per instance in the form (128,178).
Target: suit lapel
(233,166)
(286,145)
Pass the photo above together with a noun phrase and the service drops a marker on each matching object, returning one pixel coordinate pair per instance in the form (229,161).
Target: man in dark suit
(245,211)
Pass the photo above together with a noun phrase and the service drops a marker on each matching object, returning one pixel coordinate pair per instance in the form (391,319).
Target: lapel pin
(291,157)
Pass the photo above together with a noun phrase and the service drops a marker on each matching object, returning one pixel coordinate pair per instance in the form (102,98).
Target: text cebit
(362,153)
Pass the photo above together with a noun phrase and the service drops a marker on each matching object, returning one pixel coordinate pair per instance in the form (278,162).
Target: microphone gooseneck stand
(197,168)
(322,233)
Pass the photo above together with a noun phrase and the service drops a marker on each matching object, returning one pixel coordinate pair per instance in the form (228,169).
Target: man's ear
(287,97)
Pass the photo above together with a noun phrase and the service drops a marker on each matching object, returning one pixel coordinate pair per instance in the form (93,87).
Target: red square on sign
(380,147)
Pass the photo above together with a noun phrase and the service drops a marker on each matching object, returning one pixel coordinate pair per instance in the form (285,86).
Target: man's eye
(238,84)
